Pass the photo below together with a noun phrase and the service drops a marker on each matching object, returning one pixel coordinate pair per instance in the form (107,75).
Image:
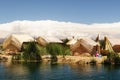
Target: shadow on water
(32,66)
(32,70)
(111,67)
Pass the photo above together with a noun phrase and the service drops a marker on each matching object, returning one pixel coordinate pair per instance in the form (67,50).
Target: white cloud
(60,29)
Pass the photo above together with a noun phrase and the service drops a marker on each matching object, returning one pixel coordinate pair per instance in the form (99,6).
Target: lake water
(43,71)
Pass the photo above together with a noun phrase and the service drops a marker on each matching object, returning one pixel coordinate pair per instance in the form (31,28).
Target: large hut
(84,45)
(46,39)
(14,42)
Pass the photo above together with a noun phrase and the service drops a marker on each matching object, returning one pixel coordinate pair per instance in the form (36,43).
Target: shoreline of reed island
(109,59)
(77,59)
(60,59)
(60,53)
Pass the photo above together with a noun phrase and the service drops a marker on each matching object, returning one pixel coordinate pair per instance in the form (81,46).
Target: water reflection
(85,68)
(109,68)
(43,71)
(20,70)
(95,72)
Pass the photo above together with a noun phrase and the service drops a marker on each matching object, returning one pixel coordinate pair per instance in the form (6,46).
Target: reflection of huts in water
(83,45)
(14,42)
(45,40)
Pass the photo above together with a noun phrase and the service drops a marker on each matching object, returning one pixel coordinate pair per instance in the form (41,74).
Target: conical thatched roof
(112,44)
(88,43)
(41,41)
(108,45)
(16,40)
(84,45)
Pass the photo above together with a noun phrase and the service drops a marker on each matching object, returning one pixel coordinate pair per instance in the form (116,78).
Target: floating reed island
(21,47)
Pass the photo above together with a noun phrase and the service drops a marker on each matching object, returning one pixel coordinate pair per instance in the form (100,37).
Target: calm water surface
(42,71)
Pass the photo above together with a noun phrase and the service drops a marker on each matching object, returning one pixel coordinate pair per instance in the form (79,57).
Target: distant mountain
(59,29)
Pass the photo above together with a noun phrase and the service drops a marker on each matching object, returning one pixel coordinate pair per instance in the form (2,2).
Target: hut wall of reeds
(84,45)
(14,42)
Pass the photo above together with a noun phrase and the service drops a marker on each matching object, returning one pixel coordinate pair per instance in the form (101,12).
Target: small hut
(46,39)
(115,42)
(84,45)
(14,42)
(41,41)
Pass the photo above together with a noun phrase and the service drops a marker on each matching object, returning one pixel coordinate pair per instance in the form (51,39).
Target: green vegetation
(102,44)
(113,58)
(31,52)
(66,51)
(42,50)
(53,50)
(57,49)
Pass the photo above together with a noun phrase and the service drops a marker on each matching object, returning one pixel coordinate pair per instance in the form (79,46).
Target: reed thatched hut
(115,43)
(47,39)
(84,45)
(14,42)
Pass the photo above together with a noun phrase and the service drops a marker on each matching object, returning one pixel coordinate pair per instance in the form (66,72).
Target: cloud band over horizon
(60,29)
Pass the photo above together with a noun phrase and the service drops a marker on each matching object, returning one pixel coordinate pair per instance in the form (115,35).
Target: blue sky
(79,11)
